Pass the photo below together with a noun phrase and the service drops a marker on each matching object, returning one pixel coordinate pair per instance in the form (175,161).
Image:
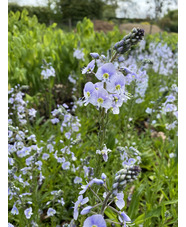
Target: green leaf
(133,208)
(153,213)
(111,215)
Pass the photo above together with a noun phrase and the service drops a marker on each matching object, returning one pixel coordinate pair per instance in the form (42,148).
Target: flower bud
(124,176)
(129,40)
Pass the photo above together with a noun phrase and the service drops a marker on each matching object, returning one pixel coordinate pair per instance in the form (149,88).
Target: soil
(106,26)
(128,27)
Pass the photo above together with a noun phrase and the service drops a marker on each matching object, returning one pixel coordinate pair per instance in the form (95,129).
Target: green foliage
(155,193)
(170,21)
(30,42)
(171,39)
(79,9)
(44,14)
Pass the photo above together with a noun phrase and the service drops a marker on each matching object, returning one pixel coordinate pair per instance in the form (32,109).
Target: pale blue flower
(106,72)
(14,210)
(45,156)
(51,212)
(77,180)
(87,91)
(148,110)
(89,68)
(32,112)
(66,165)
(125,217)
(11,161)
(100,98)
(94,55)
(55,120)
(50,147)
(86,210)
(96,220)
(28,213)
(103,176)
(77,204)
(119,201)
(117,102)
(104,152)
(85,187)
(116,84)
(78,54)
(61,201)
(48,72)
(39,164)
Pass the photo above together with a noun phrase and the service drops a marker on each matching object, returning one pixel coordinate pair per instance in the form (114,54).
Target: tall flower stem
(113,57)
(101,138)
(105,202)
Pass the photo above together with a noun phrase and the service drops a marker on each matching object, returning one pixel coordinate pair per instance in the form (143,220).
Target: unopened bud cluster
(129,40)
(125,176)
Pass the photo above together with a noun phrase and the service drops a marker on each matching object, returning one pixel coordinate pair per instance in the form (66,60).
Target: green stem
(108,220)
(96,195)
(105,202)
(113,57)
(112,208)
(101,138)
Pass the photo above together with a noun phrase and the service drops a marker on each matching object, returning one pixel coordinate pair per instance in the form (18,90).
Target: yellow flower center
(118,87)
(115,99)
(94,226)
(88,93)
(100,100)
(106,75)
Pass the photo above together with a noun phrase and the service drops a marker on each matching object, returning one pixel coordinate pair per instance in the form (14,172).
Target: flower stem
(96,195)
(113,57)
(105,202)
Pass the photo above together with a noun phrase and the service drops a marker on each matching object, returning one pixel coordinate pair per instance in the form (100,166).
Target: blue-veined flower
(124,217)
(61,201)
(85,187)
(10,225)
(78,54)
(86,210)
(51,212)
(103,176)
(104,152)
(106,72)
(45,156)
(28,212)
(116,84)
(96,220)
(100,98)
(87,91)
(119,201)
(117,102)
(77,180)
(14,210)
(66,165)
(77,204)
(89,68)
(94,55)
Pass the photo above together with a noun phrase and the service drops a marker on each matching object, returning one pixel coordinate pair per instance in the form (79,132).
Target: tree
(79,9)
(157,8)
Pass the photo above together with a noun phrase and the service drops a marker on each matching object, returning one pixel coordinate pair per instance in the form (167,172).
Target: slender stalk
(108,220)
(105,202)
(112,208)
(113,57)
(96,195)
(101,137)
